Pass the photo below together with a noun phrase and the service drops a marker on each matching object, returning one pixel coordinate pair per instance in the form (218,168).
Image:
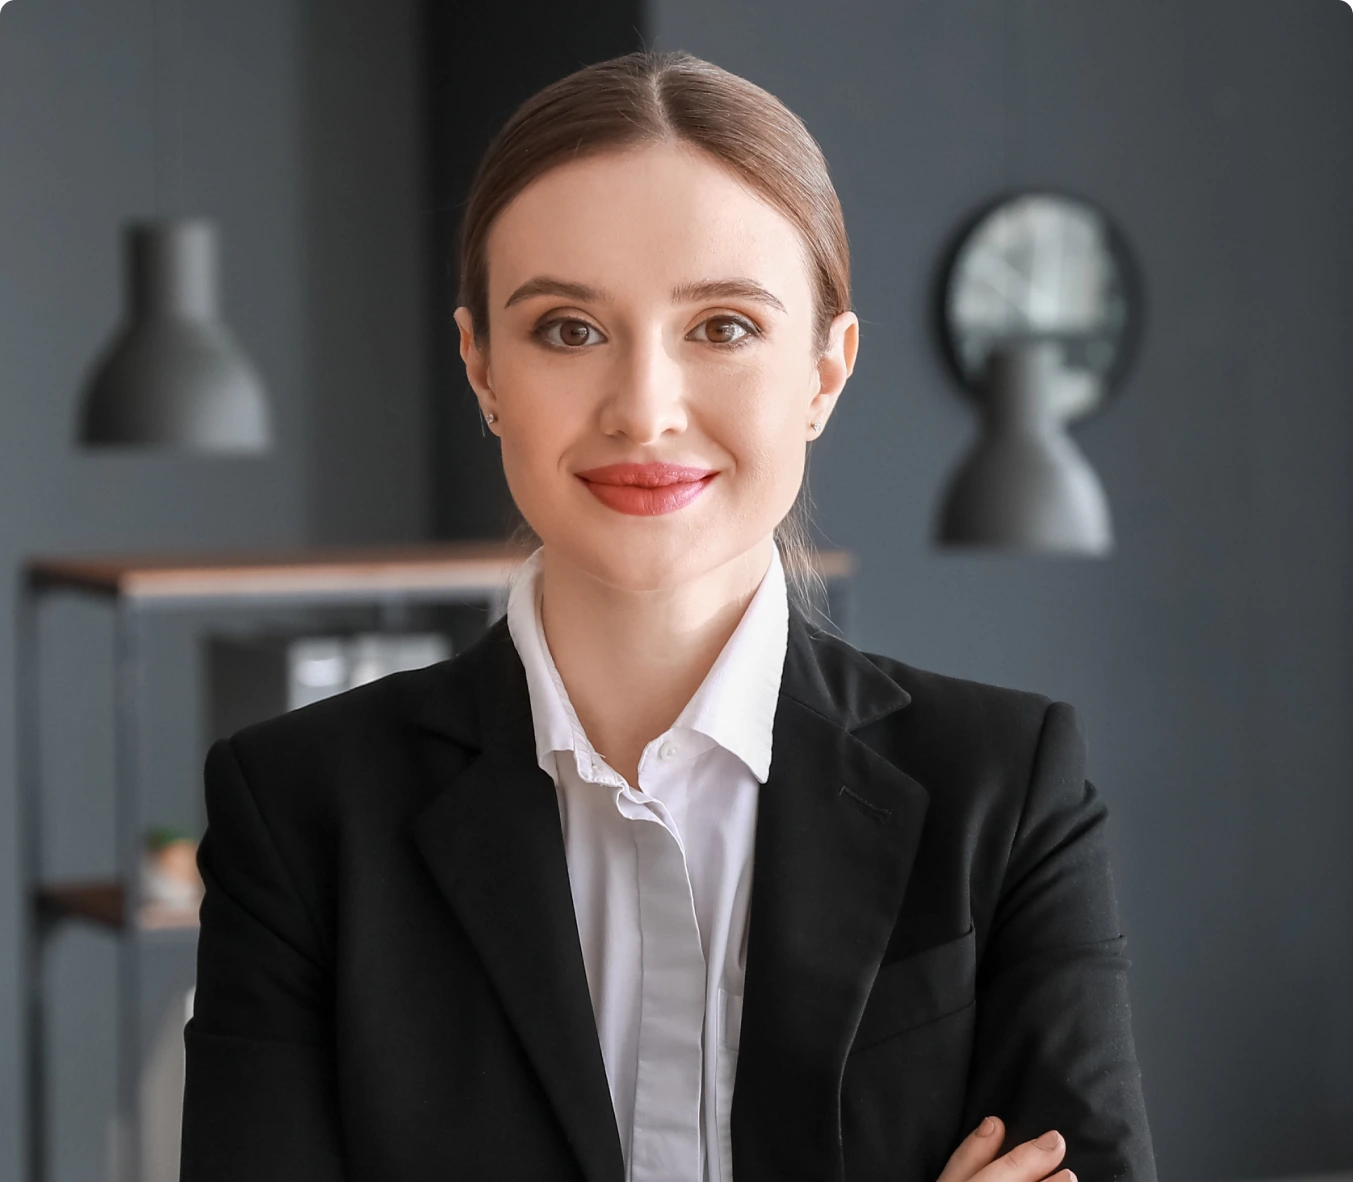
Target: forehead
(639,222)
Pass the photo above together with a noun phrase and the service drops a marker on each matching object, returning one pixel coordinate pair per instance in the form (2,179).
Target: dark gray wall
(1212,656)
(302,133)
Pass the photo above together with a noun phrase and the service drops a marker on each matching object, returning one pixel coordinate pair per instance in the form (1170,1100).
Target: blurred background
(1209,651)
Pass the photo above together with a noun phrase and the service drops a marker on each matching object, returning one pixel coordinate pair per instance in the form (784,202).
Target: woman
(658,880)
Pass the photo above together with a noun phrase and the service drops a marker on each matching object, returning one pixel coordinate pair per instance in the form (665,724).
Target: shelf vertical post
(28,743)
(128,690)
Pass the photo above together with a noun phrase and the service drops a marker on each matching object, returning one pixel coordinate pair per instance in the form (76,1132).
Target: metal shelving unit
(135,587)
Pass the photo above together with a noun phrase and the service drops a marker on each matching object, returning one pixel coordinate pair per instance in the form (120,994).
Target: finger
(979,1148)
(1029,1161)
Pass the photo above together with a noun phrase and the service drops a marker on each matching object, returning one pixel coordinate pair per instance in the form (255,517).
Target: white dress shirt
(661,875)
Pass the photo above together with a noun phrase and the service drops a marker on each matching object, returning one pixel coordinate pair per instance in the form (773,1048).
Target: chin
(629,562)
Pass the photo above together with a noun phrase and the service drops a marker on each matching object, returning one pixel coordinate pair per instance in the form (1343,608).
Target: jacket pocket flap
(920,988)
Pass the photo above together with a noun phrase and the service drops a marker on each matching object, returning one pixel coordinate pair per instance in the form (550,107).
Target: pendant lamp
(1026,485)
(175,376)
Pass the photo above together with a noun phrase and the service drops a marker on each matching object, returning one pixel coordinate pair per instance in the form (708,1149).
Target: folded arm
(1053,1046)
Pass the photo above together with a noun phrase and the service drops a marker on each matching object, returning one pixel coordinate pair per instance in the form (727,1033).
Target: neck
(631,660)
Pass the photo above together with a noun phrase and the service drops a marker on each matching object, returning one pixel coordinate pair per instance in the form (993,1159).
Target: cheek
(546,413)
(776,474)
(758,417)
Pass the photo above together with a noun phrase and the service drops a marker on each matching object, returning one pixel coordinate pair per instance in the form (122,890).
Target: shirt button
(669,750)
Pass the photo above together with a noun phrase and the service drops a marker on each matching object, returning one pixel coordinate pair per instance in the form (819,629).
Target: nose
(647,395)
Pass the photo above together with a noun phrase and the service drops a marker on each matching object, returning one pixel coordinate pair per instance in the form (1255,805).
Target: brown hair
(647,97)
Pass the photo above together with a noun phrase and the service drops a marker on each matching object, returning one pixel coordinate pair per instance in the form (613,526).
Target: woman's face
(646,307)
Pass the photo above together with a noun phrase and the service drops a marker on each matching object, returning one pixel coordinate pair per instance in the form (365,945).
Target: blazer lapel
(493,841)
(836,835)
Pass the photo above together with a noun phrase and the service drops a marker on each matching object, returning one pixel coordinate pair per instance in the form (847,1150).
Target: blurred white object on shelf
(250,677)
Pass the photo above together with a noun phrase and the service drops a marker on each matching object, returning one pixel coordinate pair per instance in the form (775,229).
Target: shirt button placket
(666,1135)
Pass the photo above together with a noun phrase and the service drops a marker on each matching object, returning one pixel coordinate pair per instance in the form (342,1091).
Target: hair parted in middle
(645,98)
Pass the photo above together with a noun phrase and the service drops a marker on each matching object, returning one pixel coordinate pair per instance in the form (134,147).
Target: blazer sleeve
(1053,1043)
(260,1096)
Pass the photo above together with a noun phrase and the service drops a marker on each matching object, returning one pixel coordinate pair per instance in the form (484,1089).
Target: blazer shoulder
(357,715)
(315,764)
(958,735)
(328,776)
(961,702)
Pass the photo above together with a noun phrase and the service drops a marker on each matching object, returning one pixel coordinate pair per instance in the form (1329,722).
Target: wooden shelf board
(101,901)
(391,568)
(467,566)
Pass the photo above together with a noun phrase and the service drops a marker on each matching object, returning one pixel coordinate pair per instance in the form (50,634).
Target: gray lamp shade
(1026,485)
(175,376)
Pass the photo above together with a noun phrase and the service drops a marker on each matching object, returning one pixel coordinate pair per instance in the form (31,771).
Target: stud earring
(490,417)
(817,424)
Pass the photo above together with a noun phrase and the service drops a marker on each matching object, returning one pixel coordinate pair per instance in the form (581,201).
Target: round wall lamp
(1039,311)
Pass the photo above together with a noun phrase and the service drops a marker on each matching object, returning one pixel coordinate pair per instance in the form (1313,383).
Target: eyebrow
(705,289)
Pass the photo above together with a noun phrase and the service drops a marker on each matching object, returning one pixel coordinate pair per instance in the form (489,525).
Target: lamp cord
(168,188)
(155,84)
(176,108)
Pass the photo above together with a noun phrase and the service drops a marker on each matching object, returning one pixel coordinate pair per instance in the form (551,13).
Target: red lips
(645,475)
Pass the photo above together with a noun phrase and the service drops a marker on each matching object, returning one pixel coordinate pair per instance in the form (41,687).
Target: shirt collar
(733,707)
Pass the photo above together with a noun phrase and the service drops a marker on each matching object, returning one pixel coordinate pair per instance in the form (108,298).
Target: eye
(574,333)
(726,327)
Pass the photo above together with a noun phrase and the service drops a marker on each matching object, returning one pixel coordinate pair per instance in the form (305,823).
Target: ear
(835,365)
(477,368)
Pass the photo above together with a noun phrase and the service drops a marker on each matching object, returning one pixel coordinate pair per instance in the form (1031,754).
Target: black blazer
(390,986)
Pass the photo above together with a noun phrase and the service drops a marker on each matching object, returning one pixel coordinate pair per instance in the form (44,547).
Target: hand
(975,1159)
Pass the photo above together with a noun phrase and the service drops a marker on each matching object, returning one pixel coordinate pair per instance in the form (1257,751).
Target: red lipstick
(646,489)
